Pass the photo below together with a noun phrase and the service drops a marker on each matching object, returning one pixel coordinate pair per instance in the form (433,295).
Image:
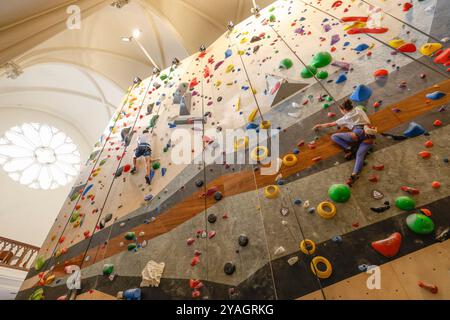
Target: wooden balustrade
(17,255)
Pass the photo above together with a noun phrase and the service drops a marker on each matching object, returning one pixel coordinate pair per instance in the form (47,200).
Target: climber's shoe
(349,153)
(133,171)
(352,179)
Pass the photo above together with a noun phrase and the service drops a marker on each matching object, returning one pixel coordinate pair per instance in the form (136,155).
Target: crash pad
(339,192)
(420,223)
(405,203)
(390,246)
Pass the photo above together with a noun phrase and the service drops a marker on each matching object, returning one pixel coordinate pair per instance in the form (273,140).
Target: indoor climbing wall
(227,230)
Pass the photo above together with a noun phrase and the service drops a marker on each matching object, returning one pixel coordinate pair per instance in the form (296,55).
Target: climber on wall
(359,141)
(143,149)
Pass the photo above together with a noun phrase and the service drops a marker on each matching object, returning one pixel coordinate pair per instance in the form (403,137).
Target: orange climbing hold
(378,167)
(428,144)
(410,190)
(426,212)
(443,57)
(380,73)
(432,288)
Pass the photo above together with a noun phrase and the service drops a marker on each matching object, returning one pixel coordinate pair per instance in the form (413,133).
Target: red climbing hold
(380,73)
(428,144)
(407,6)
(336,4)
(126,168)
(193,283)
(373,178)
(195,294)
(410,190)
(195,261)
(351,19)
(435,184)
(432,288)
(367,30)
(407,47)
(424,154)
(378,167)
(390,246)
(443,57)
(190,241)
(437,123)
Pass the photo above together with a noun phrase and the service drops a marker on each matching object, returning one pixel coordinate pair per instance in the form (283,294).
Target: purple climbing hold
(335,39)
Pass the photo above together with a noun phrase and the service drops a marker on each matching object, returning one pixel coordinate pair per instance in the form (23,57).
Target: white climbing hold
(279,251)
(293,260)
(306,204)
(284,223)
(152,273)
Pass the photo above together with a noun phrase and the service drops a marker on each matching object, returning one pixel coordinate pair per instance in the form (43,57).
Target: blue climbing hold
(414,130)
(148,197)
(361,47)
(86,190)
(361,93)
(280,182)
(435,95)
(252,126)
(295,151)
(336,239)
(132,294)
(163,171)
(298,202)
(228,53)
(341,78)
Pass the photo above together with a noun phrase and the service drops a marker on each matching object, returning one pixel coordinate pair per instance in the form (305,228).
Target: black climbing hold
(106,219)
(218,196)
(119,172)
(243,240)
(229,268)
(212,218)
(199,183)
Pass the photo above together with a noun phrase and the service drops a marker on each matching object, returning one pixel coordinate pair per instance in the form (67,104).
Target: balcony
(17,255)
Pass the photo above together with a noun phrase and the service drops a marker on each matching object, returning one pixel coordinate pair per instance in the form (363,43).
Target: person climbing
(143,149)
(359,141)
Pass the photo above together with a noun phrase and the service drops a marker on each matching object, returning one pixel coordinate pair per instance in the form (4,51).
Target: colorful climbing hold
(321,59)
(286,64)
(436,95)
(322,75)
(390,246)
(429,48)
(405,203)
(339,193)
(361,93)
(308,72)
(420,223)
(341,78)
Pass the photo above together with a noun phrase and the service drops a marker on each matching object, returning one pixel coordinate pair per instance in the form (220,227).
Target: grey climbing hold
(105,220)
(199,183)
(243,240)
(229,268)
(212,218)
(218,196)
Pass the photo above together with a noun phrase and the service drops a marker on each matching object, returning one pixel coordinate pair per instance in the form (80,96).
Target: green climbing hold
(130,235)
(39,263)
(103,162)
(163,77)
(308,72)
(37,295)
(322,75)
(321,59)
(329,99)
(132,246)
(74,217)
(405,203)
(272,18)
(108,269)
(286,64)
(153,121)
(420,223)
(326,105)
(156,165)
(74,196)
(339,192)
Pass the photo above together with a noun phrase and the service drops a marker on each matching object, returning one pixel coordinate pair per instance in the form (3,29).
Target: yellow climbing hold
(252,115)
(307,246)
(326,210)
(396,43)
(429,48)
(357,24)
(328,268)
(259,153)
(244,40)
(218,83)
(265,124)
(229,68)
(290,160)
(271,192)
(238,104)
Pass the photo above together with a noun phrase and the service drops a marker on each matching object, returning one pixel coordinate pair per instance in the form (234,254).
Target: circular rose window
(39,156)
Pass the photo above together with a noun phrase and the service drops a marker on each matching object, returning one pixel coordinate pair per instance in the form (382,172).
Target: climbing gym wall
(227,231)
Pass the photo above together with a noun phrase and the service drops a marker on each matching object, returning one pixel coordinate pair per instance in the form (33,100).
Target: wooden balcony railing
(17,255)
